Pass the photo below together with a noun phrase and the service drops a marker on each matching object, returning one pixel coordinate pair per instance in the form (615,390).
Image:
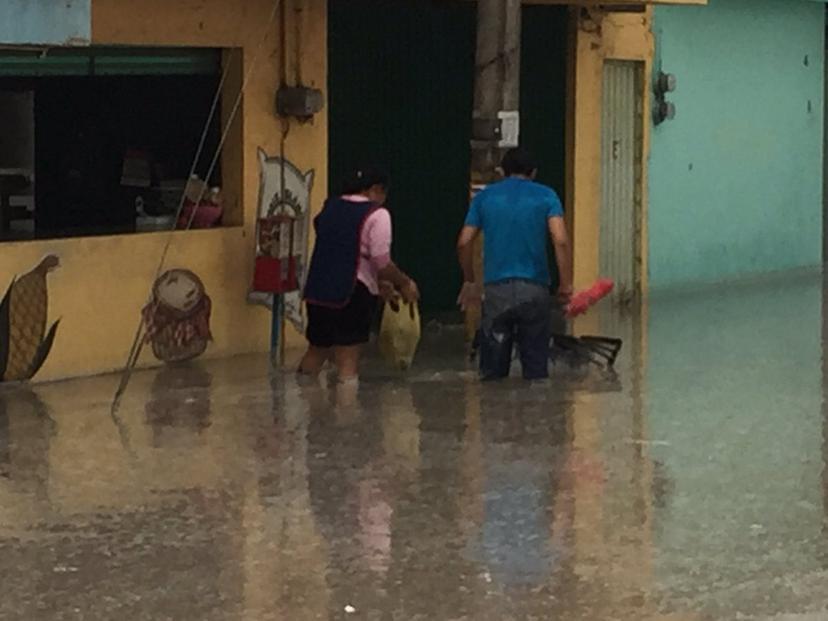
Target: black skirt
(343,327)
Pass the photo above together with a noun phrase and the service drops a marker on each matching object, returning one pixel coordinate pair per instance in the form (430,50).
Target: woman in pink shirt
(351,262)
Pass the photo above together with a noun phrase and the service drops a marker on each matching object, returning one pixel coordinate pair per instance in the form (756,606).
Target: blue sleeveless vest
(332,275)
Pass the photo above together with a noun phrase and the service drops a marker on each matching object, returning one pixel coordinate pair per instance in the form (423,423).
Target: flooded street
(691,486)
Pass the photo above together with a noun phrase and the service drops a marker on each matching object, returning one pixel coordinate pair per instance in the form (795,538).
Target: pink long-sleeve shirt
(374,245)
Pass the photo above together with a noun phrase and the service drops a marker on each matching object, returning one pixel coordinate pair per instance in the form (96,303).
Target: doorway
(400,90)
(545,46)
(401,80)
(622,150)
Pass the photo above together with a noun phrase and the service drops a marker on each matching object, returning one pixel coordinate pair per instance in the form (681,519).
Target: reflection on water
(735,394)
(179,399)
(25,433)
(692,484)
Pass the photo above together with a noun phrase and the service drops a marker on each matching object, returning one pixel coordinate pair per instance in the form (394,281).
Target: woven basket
(164,344)
(165,349)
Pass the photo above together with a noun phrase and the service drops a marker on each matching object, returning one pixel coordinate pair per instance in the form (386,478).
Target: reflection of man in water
(519,542)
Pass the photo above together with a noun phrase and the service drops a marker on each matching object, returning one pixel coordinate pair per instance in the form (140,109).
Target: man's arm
(563,255)
(465,251)
(471,293)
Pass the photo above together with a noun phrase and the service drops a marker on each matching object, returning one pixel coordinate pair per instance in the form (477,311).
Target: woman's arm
(379,248)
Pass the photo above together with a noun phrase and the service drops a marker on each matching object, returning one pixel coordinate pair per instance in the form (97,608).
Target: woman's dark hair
(518,162)
(363,179)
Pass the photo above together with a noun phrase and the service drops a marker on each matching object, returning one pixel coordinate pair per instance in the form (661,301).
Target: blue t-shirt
(514,217)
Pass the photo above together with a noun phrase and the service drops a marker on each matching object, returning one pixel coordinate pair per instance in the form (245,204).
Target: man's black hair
(518,162)
(363,179)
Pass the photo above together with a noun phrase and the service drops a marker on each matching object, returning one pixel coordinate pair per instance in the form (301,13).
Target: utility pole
(496,85)
(495,119)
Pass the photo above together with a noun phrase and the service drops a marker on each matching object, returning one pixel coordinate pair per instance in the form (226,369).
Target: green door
(400,82)
(543,78)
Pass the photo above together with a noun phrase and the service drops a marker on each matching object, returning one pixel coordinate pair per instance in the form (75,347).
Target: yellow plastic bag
(399,334)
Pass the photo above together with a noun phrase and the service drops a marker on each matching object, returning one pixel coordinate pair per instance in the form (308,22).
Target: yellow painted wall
(104,281)
(618,36)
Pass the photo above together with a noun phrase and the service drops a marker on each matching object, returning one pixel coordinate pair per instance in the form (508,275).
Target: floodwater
(690,486)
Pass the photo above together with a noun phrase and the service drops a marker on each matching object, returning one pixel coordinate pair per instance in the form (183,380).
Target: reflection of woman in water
(431,575)
(342,492)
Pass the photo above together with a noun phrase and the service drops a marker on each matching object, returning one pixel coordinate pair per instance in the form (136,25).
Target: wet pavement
(691,486)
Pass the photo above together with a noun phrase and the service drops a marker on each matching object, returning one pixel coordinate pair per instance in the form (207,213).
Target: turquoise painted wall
(736,179)
(45,22)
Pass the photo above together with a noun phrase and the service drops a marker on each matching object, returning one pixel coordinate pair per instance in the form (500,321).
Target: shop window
(101,141)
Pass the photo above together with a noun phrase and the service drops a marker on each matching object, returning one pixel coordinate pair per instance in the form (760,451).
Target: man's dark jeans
(515,311)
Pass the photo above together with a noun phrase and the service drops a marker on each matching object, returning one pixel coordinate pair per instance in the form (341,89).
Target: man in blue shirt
(516,216)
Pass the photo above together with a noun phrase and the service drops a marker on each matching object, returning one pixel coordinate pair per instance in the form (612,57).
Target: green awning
(109,61)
